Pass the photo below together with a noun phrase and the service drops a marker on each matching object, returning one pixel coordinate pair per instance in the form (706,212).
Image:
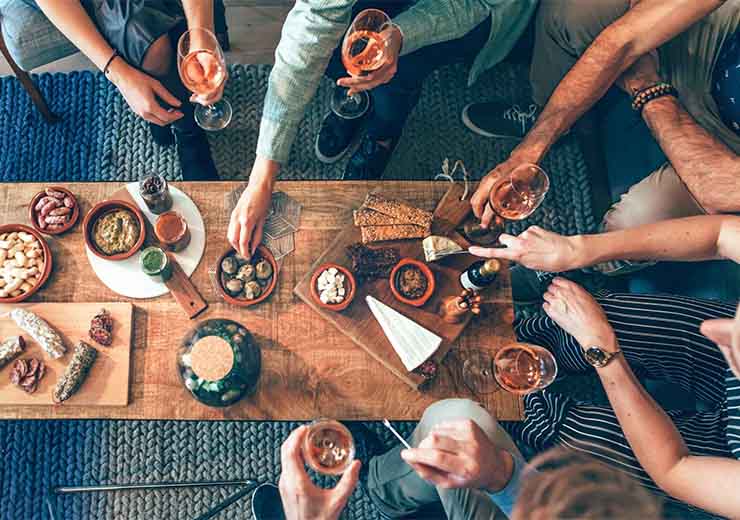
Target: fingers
(494,252)
(291,457)
(165,95)
(256,237)
(370,81)
(232,233)
(435,476)
(437,459)
(479,200)
(719,331)
(245,236)
(733,359)
(346,485)
(488,216)
(439,441)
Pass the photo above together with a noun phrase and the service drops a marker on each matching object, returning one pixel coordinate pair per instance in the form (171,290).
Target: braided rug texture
(100,139)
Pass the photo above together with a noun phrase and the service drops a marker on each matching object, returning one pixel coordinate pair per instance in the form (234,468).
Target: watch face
(596,357)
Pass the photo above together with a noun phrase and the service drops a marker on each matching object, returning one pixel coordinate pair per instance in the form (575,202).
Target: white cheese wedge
(413,343)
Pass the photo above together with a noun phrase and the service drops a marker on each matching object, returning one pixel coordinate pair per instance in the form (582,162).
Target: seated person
(590,47)
(427,34)
(691,456)
(463,459)
(135,44)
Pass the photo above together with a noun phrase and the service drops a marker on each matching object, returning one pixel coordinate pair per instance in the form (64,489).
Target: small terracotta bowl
(9,228)
(262,252)
(418,302)
(100,209)
(66,227)
(349,294)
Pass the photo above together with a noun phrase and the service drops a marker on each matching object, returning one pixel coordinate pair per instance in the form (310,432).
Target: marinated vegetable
(116,232)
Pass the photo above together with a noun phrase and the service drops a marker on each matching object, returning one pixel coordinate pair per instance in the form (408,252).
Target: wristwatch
(597,357)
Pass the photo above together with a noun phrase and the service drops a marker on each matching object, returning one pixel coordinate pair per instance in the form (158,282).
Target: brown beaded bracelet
(644,96)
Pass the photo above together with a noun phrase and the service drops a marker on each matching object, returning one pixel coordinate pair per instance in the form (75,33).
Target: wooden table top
(309,369)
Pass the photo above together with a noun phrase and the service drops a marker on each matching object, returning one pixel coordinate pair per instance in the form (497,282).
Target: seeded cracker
(398,210)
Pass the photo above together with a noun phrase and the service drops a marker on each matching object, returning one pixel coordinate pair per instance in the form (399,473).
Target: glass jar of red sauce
(172,231)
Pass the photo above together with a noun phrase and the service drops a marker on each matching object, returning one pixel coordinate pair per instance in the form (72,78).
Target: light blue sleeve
(506,498)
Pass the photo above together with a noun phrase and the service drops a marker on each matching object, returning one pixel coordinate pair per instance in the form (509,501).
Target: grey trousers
(399,491)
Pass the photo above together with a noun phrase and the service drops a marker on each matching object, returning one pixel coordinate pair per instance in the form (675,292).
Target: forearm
(199,13)
(72,21)
(710,170)
(686,239)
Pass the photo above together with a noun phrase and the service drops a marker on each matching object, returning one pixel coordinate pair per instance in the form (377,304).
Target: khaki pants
(399,491)
(566,28)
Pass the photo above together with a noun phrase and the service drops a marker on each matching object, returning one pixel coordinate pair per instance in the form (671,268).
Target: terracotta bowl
(349,293)
(418,302)
(9,228)
(66,227)
(262,252)
(100,209)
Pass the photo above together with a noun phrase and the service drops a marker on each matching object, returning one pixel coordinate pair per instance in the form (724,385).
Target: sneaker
(369,161)
(267,504)
(162,135)
(498,119)
(336,136)
(194,153)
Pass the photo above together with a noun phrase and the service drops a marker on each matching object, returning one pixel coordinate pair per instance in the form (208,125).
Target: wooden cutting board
(357,321)
(107,383)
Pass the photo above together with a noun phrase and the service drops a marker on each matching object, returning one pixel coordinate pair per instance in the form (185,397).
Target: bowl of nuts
(25,262)
(333,287)
(245,282)
(54,210)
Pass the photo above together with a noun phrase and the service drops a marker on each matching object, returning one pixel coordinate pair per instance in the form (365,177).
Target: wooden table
(309,369)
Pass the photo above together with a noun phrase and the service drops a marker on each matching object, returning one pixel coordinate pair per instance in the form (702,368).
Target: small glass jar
(172,231)
(155,263)
(154,190)
(328,447)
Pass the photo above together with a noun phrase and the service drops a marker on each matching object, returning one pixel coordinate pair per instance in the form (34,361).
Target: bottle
(480,275)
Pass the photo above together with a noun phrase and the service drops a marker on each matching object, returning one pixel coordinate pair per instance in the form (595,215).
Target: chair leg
(28,84)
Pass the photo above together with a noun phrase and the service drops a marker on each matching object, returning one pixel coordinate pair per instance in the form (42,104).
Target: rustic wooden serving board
(108,381)
(357,321)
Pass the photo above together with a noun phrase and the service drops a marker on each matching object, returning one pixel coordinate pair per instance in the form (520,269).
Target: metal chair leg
(28,84)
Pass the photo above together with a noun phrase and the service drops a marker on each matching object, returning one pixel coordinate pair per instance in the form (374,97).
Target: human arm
(198,13)
(312,30)
(654,439)
(726,334)
(640,30)
(686,239)
(302,499)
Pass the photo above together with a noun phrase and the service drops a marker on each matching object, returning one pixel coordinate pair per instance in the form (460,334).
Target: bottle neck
(489,267)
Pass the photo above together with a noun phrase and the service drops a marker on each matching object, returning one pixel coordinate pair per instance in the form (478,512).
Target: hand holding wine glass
(393,37)
(202,68)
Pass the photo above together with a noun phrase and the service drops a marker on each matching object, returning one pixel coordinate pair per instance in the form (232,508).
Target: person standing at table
(426,35)
(134,43)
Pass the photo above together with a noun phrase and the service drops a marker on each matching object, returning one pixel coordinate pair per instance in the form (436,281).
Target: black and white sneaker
(336,137)
(498,119)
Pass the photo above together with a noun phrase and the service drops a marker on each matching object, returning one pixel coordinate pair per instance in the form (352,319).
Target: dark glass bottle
(480,275)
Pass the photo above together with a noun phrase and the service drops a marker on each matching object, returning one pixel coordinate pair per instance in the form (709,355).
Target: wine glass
(513,197)
(522,368)
(477,373)
(364,49)
(202,68)
(328,447)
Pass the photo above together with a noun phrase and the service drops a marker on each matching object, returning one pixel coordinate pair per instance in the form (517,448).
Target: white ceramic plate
(126,278)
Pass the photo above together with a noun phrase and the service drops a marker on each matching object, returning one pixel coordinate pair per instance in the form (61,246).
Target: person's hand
(394,40)
(207,65)
(535,248)
(302,499)
(458,454)
(726,334)
(142,93)
(642,74)
(578,314)
(248,218)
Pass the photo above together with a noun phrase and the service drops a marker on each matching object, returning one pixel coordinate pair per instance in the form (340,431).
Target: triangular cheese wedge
(413,343)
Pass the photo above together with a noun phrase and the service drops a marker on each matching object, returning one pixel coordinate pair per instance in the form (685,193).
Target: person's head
(572,485)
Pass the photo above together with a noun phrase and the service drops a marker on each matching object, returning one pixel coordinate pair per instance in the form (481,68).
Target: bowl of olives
(219,362)
(245,282)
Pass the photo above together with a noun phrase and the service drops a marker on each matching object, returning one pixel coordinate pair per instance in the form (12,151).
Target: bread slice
(398,210)
(369,217)
(371,234)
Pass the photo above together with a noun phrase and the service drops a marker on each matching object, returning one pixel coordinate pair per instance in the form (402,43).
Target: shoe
(162,135)
(336,136)
(369,161)
(498,119)
(267,504)
(194,153)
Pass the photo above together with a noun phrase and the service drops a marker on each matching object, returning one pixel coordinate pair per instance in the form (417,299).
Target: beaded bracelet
(110,60)
(644,96)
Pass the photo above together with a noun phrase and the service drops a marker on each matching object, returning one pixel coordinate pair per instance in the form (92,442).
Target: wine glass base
(478,373)
(349,107)
(214,117)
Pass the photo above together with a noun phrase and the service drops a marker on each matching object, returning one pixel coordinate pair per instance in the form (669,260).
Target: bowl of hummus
(114,229)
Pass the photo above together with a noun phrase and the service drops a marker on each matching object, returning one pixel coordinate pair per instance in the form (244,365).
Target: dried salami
(76,372)
(101,328)
(10,349)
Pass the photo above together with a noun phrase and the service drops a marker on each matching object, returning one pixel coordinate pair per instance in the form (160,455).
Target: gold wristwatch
(597,357)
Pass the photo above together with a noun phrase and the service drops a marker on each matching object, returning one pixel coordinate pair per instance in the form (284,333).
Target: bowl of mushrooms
(245,282)
(25,262)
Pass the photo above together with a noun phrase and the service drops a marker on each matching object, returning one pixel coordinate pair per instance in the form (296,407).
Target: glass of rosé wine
(522,368)
(364,49)
(202,68)
(328,447)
